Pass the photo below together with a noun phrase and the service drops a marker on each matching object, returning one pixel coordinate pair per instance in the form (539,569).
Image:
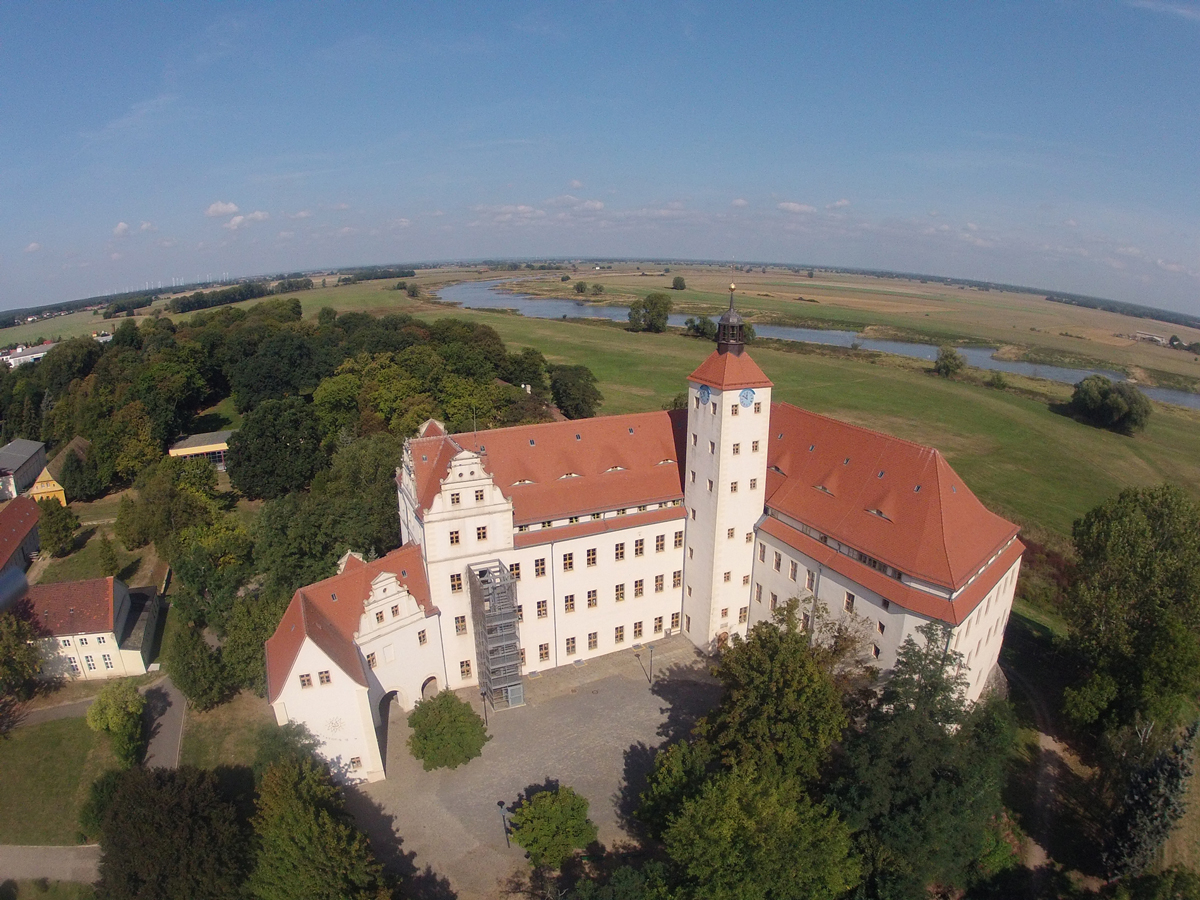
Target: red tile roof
(73,607)
(573,468)
(588,527)
(730,371)
(896,501)
(17,519)
(329,612)
(953,612)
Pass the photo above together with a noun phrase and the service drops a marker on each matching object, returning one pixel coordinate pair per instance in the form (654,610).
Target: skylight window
(631,431)
(879,512)
(880,475)
(568,475)
(917,489)
(846,461)
(615,469)
(578,437)
(531,442)
(823,489)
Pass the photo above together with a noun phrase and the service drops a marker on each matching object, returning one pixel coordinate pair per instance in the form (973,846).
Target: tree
(747,837)
(1171,884)
(1119,407)
(574,391)
(170,833)
(1154,802)
(701,327)
(56,527)
(307,843)
(20,657)
(657,308)
(196,669)
(581,287)
(949,362)
(597,289)
(277,450)
(109,564)
(446,732)
(680,772)
(678,284)
(779,711)
(1133,609)
(551,824)
(117,711)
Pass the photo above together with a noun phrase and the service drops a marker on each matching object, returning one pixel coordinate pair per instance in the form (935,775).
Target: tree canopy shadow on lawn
(388,846)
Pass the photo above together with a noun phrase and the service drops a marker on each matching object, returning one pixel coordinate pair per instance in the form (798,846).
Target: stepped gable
(329,612)
(730,372)
(572,468)
(891,499)
(73,607)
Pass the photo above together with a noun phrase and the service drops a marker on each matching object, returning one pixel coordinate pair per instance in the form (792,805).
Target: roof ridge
(564,424)
(944,546)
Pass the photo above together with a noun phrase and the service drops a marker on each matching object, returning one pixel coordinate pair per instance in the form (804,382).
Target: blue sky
(1055,144)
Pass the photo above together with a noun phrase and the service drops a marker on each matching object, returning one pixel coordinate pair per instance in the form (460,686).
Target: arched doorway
(429,688)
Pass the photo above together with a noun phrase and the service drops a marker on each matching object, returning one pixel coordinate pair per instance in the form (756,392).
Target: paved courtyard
(591,727)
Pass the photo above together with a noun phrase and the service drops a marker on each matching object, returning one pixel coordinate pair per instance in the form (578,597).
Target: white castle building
(537,546)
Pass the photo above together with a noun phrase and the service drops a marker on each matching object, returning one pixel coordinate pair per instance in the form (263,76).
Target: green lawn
(84,563)
(227,735)
(43,889)
(48,770)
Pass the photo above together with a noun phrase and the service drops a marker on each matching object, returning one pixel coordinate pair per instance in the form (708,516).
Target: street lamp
(651,648)
(504,823)
(483,702)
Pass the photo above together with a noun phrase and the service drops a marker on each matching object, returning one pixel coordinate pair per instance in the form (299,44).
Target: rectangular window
(596,517)
(107,661)
(678,539)
(743,614)
(515,569)
(543,652)
(569,603)
(100,640)
(464,669)
(637,630)
(593,602)
(639,547)
(660,543)
(539,567)
(675,621)
(691,552)
(454,499)
(848,603)
(875,650)
(881,627)
(758,593)
(370,660)
(542,610)
(379,617)
(677,578)
(778,560)
(454,537)
(355,763)
(323,677)
(713,408)
(593,640)
(697,401)
(688,629)
(395,611)
(568,562)
(762,552)
(754,447)
(695,438)
(619,551)
(810,578)
(479,496)
(693,474)
(73,664)
(570,646)
(620,592)
(729,533)
(481,533)
(727,576)
(774,600)
(456,582)
(460,624)
(64,642)
(658,624)
(305,679)
(639,587)
(733,487)
(522,657)
(659,584)
(421,638)
(792,569)
(82,641)
(710,485)
(737,449)
(887,604)
(591,557)
(754,484)
(733,410)
(725,612)
(749,537)
(712,447)
(619,634)
(757,406)
(745,579)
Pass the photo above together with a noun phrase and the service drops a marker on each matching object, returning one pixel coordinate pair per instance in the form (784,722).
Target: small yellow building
(47,484)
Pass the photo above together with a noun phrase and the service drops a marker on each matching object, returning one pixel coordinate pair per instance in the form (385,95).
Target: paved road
(164,709)
(57,863)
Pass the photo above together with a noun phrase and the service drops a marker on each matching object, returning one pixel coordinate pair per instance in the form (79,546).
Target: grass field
(48,770)
(137,569)
(43,889)
(227,735)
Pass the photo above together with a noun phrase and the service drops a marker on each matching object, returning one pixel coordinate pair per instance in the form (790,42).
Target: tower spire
(731,330)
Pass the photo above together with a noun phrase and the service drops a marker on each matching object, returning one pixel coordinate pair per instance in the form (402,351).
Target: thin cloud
(120,230)
(33,247)
(242,221)
(147,226)
(838,204)
(303,214)
(740,203)
(791,207)
(575,184)
(221,208)
(258,216)
(1179,10)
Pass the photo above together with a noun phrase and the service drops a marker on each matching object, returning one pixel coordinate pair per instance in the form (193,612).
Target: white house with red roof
(538,546)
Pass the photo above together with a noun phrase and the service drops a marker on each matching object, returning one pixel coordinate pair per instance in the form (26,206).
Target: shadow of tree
(689,693)
(639,763)
(417,883)
(158,701)
(81,538)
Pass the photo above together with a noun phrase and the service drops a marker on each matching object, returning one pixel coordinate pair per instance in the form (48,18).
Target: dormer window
(631,431)
(532,442)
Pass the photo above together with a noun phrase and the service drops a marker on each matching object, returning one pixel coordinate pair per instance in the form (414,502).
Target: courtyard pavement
(591,727)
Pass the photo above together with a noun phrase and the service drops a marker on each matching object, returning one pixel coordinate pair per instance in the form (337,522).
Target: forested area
(326,405)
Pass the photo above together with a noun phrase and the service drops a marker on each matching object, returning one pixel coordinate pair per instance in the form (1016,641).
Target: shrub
(678,284)
(1119,407)
(949,362)
(446,732)
(118,712)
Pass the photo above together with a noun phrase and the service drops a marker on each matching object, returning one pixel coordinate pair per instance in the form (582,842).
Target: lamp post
(504,823)
(483,702)
(651,646)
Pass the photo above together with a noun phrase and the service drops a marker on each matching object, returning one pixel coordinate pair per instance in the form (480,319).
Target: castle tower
(729,412)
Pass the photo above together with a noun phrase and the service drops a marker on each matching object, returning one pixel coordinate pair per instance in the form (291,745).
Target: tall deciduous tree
(551,825)
(277,450)
(575,392)
(196,669)
(678,284)
(1133,609)
(20,658)
(307,844)
(949,362)
(117,711)
(56,527)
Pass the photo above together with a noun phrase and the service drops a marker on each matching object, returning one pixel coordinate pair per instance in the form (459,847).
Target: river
(483,295)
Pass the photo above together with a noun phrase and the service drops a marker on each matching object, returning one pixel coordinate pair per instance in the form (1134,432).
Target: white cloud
(1180,10)
(791,207)
(740,203)
(33,247)
(971,226)
(235,223)
(242,221)
(120,230)
(147,226)
(221,208)
(838,204)
(575,184)
(258,216)
(303,214)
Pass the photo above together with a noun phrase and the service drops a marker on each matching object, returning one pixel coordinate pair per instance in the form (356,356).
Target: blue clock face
(747,397)
(705,393)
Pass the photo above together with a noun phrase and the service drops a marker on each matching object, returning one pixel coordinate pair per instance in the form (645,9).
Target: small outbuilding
(49,483)
(212,446)
(20,463)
